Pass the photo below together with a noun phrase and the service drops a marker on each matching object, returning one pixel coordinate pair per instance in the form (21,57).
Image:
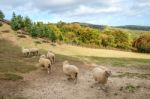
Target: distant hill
(130,27)
(135,27)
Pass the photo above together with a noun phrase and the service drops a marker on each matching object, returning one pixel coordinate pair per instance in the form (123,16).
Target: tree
(17,22)
(52,36)
(117,38)
(1,15)
(61,38)
(143,43)
(27,24)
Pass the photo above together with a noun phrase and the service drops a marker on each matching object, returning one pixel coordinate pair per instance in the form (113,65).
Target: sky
(102,12)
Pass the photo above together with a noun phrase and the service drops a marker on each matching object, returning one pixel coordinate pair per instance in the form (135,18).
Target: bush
(1,24)
(143,43)
(116,38)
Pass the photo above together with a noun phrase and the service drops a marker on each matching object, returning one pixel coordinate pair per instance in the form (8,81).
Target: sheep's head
(108,73)
(65,62)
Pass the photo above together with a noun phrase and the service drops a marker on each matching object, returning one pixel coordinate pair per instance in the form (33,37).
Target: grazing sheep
(34,51)
(51,56)
(70,70)
(43,62)
(101,74)
(25,51)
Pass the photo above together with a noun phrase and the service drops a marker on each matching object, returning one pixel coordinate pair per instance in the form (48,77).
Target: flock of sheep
(29,52)
(100,74)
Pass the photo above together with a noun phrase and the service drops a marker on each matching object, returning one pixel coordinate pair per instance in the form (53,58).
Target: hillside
(135,27)
(20,77)
(129,27)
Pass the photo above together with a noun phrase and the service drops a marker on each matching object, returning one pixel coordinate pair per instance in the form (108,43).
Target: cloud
(85,10)
(80,10)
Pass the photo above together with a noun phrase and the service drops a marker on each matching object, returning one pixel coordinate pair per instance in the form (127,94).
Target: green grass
(142,63)
(129,88)
(10,76)
(12,60)
(1,97)
(131,75)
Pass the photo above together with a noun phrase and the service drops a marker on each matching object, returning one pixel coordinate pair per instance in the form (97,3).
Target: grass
(100,56)
(131,75)
(129,88)
(10,76)
(142,63)
(12,61)
(1,97)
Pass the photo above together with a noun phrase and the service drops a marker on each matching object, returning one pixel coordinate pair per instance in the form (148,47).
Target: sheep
(101,74)
(43,62)
(70,70)
(34,51)
(25,51)
(51,56)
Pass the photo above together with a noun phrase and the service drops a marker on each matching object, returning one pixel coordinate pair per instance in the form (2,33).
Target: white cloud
(81,10)
(85,10)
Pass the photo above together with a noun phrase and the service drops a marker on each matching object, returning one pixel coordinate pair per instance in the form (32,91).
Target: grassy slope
(15,62)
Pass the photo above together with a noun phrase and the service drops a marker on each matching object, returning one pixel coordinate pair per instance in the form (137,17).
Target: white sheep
(43,62)
(51,56)
(25,51)
(101,74)
(71,71)
(34,51)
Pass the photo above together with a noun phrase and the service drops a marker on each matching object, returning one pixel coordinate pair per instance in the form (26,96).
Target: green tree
(17,22)
(27,24)
(1,15)
(61,38)
(52,36)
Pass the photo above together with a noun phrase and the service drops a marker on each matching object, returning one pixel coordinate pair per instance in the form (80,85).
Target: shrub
(1,24)
(143,43)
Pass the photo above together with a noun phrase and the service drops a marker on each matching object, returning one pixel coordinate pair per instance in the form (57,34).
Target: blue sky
(105,12)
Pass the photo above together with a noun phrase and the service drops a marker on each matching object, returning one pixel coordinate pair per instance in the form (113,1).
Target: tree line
(77,34)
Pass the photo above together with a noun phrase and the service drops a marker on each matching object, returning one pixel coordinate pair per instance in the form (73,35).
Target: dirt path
(39,85)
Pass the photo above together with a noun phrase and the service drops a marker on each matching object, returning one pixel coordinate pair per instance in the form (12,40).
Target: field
(20,77)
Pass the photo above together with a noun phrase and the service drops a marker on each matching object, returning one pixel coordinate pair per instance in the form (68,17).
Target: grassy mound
(12,61)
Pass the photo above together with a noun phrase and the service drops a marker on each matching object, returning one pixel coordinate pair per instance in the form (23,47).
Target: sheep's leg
(76,77)
(68,77)
(48,70)
(53,59)
(73,76)
(28,54)
(37,53)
